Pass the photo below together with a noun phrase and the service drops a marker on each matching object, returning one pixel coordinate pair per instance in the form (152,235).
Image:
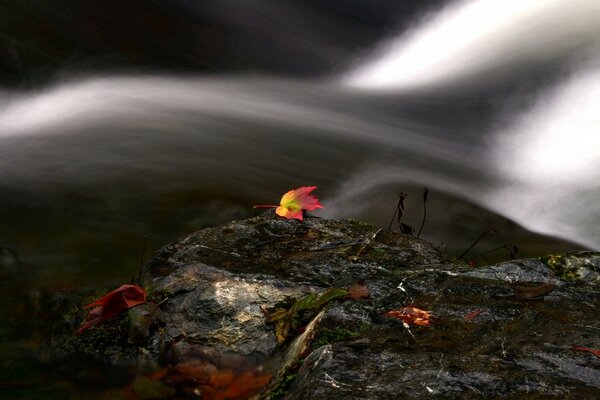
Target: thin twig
(425,194)
(365,243)
(399,210)
(142,255)
(407,327)
(336,246)
(511,248)
(393,216)
(484,234)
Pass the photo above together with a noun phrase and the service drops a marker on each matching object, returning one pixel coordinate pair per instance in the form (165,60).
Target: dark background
(42,40)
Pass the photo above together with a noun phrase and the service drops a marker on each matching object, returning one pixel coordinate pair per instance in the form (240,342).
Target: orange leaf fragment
(593,351)
(294,202)
(112,304)
(358,290)
(411,316)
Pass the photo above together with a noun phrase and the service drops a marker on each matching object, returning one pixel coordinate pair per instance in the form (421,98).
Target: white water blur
(469,37)
(240,128)
(550,162)
(246,136)
(542,170)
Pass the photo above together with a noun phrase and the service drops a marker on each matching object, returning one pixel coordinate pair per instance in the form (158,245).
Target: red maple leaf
(411,316)
(112,304)
(294,202)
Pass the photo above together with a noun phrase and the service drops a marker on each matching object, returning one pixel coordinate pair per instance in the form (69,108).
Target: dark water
(120,134)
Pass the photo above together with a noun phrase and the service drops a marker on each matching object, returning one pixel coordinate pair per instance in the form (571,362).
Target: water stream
(89,164)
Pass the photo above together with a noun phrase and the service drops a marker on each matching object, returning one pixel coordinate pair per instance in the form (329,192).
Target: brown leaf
(357,291)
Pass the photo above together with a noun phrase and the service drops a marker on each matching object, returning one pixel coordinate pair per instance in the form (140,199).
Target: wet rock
(519,271)
(488,338)
(222,310)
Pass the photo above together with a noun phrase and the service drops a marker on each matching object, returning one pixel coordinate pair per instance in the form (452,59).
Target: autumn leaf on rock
(112,304)
(294,202)
(411,316)
(358,291)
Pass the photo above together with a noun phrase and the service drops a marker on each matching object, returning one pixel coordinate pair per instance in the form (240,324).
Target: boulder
(512,330)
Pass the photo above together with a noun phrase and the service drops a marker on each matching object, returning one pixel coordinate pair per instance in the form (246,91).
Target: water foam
(550,160)
(469,37)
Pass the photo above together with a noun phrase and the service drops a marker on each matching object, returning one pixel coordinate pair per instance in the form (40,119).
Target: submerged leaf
(411,316)
(112,304)
(294,202)
(201,378)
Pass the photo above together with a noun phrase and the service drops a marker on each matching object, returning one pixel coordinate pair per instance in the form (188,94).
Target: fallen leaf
(199,377)
(593,351)
(294,202)
(112,304)
(470,316)
(526,293)
(411,316)
(357,291)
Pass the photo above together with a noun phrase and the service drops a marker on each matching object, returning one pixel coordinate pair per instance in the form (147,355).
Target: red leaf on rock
(593,351)
(411,316)
(112,304)
(294,202)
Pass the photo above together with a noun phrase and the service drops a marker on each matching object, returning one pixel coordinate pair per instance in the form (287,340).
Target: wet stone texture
(500,331)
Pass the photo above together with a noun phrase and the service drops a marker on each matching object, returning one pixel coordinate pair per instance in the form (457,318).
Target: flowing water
(93,168)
